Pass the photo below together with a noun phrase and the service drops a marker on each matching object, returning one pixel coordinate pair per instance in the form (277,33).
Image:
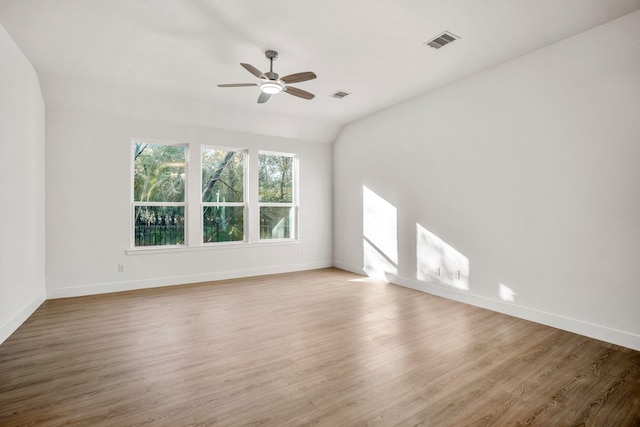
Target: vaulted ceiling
(373,49)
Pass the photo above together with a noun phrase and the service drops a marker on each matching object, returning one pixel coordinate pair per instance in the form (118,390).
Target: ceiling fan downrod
(271,55)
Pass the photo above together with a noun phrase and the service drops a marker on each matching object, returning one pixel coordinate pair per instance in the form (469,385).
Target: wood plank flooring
(322,347)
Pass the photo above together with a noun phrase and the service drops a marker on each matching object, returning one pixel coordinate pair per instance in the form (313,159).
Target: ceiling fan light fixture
(271,87)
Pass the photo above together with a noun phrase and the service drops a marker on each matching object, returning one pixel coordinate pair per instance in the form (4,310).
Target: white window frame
(193,204)
(294,194)
(243,204)
(135,203)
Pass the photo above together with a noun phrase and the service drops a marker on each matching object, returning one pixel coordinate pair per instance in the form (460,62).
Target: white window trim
(144,250)
(133,203)
(193,204)
(246,226)
(294,193)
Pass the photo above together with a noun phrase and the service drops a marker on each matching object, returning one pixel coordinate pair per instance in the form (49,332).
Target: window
(159,186)
(190,195)
(223,195)
(277,195)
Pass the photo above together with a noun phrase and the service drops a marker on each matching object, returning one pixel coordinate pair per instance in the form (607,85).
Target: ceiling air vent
(442,40)
(340,94)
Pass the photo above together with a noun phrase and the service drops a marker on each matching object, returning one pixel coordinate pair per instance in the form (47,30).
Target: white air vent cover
(340,94)
(442,40)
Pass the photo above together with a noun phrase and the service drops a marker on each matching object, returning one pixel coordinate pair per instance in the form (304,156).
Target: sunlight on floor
(365,280)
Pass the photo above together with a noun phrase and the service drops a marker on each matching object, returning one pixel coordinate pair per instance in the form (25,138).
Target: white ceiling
(373,49)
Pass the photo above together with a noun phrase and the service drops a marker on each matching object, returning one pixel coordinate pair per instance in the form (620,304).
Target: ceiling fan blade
(253,70)
(238,85)
(299,77)
(264,97)
(298,92)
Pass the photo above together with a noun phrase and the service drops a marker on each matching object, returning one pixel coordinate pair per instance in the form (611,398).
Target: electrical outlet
(458,274)
(121,268)
(436,271)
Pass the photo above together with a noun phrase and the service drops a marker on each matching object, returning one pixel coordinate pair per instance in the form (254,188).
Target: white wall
(88,195)
(529,175)
(22,224)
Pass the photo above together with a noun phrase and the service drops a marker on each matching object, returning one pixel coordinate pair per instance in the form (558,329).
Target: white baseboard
(20,317)
(348,267)
(599,332)
(591,330)
(105,288)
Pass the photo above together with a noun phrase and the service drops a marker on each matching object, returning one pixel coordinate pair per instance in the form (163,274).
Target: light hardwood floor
(323,347)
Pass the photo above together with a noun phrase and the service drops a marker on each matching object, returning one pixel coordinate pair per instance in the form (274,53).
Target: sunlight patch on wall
(380,235)
(437,261)
(506,293)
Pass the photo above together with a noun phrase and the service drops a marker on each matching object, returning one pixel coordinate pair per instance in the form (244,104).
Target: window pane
(275,178)
(159,225)
(159,173)
(222,176)
(223,223)
(275,222)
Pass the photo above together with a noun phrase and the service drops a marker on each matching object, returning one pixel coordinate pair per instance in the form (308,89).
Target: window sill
(148,250)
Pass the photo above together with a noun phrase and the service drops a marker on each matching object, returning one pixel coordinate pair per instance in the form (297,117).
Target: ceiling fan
(271,83)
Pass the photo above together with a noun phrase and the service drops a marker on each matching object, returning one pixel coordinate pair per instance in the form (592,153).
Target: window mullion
(194,166)
(253,215)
